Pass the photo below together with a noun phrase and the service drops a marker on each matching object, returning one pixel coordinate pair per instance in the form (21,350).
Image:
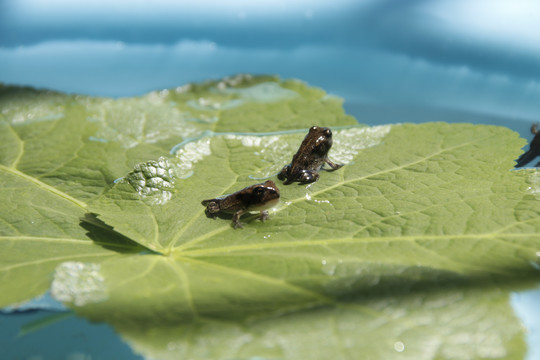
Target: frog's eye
(258,190)
(313,128)
(328,132)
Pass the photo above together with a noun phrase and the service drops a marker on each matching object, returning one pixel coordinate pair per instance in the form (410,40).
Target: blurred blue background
(391,60)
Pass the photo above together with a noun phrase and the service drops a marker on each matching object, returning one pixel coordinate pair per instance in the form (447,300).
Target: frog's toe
(238,225)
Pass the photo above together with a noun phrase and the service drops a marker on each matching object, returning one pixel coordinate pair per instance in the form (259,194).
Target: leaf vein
(54,259)
(260,277)
(329,242)
(44,186)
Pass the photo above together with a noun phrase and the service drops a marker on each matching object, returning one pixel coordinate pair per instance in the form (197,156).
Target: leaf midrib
(286,244)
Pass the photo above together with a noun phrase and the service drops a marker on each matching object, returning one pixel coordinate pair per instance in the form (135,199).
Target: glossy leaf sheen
(408,250)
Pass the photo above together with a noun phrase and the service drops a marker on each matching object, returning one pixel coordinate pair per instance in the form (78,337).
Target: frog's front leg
(308,176)
(284,174)
(333,165)
(236,219)
(264,215)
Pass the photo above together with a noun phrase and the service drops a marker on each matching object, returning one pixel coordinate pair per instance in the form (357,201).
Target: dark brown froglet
(310,158)
(534,149)
(258,197)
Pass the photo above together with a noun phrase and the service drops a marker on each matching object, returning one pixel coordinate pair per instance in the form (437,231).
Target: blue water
(69,338)
(392,61)
(525,305)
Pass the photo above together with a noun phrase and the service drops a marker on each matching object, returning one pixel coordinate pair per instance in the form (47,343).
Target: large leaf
(411,233)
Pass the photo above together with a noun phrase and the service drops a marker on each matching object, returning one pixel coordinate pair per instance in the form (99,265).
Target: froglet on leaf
(258,197)
(310,158)
(534,149)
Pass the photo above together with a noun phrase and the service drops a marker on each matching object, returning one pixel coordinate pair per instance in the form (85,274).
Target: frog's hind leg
(308,176)
(333,165)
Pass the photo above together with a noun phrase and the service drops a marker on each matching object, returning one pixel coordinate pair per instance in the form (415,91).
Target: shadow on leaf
(105,236)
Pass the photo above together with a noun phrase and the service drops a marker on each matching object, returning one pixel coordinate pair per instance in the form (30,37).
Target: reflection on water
(31,335)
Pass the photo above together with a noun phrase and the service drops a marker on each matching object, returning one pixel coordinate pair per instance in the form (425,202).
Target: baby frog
(534,149)
(310,158)
(258,197)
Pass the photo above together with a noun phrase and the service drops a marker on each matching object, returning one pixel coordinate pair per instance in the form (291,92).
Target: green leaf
(412,248)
